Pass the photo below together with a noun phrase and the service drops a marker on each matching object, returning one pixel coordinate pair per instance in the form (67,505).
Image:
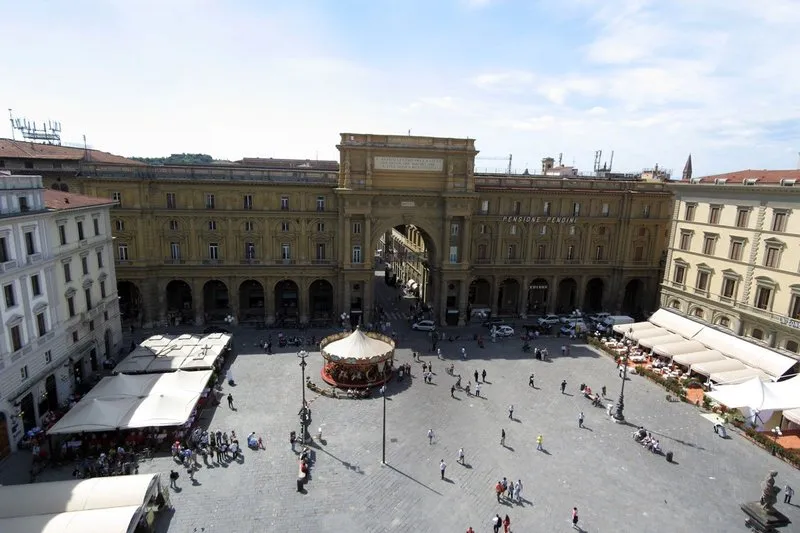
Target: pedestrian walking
(173,479)
(453,391)
(539,440)
(476,377)
(530,381)
(424,367)
(498,489)
(563,386)
(511,412)
(603,390)
(497,521)
(442,467)
(788,492)
(230,400)
(574,518)
(502,437)
(438,353)
(506,524)
(580,420)
(463,353)
(483,375)
(430,436)
(461,455)
(518,490)
(477,389)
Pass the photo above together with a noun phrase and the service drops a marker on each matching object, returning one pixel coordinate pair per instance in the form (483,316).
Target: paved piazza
(614,482)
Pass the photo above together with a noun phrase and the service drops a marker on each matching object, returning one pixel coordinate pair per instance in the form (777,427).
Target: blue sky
(651,80)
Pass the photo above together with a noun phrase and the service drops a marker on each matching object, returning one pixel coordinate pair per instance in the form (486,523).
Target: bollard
(669,457)
(299,484)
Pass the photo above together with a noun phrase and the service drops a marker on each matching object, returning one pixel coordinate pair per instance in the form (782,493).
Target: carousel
(357,359)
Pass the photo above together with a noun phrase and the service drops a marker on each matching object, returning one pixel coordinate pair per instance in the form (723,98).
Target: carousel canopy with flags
(359,348)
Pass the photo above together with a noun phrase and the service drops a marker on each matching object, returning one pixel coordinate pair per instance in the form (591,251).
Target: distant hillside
(178,159)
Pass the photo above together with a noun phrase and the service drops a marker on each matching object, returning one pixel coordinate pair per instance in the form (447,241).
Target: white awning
(168,353)
(649,342)
(702,356)
(749,353)
(732,377)
(676,323)
(760,395)
(792,415)
(706,369)
(625,328)
(647,333)
(676,348)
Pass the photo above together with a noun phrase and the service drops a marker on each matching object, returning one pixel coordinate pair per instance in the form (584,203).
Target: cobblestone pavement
(616,485)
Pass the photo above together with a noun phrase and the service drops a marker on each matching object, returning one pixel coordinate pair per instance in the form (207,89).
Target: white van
(615,320)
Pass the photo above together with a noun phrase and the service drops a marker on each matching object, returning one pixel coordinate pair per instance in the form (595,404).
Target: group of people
(510,490)
(646,439)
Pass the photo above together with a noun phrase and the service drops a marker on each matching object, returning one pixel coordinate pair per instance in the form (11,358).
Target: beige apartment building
(734,254)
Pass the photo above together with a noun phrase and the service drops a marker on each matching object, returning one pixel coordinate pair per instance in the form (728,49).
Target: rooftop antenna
(409,133)
(598,154)
(560,156)
(48,133)
(611,163)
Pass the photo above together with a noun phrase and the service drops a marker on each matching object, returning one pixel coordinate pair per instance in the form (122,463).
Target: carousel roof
(358,347)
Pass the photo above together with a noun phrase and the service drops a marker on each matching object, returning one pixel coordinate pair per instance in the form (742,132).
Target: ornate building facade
(288,241)
(732,259)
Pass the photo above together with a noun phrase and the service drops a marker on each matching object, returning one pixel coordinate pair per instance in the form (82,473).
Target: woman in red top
(506,524)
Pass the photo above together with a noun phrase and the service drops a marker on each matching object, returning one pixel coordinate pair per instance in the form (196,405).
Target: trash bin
(299,484)
(722,432)
(669,457)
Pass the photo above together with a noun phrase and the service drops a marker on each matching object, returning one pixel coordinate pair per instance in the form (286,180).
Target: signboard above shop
(539,220)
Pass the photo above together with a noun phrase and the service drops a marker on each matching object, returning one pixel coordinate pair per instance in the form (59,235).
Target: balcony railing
(482,261)
(213,261)
(513,261)
(284,261)
(572,261)
(173,261)
(542,261)
(320,261)
(250,261)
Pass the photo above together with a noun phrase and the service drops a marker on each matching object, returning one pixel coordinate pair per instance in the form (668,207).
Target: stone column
(442,303)
(523,298)
(347,249)
(463,294)
(466,246)
(368,306)
(233,298)
(304,302)
(197,301)
(552,294)
(161,298)
(269,300)
(495,294)
(581,296)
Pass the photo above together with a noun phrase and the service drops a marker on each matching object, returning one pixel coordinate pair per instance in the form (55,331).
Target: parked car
(574,327)
(549,320)
(599,317)
(424,325)
(494,322)
(504,331)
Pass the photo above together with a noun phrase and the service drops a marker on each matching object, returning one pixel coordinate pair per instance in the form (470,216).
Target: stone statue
(346,183)
(769,492)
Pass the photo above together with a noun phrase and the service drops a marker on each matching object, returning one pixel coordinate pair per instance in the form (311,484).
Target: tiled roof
(57,200)
(762,177)
(269,162)
(11,149)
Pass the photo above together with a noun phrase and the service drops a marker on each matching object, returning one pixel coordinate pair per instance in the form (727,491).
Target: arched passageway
(538,291)
(480,294)
(179,302)
(287,302)
(631,300)
(508,297)
(251,301)
(593,297)
(130,300)
(320,299)
(566,298)
(216,301)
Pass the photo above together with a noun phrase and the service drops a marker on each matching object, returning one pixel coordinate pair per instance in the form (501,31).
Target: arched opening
(5,441)
(757,334)
(675,304)
(791,346)
(251,301)
(508,297)
(51,394)
(130,300)
(107,344)
(724,321)
(566,298)
(216,302)
(408,253)
(593,297)
(698,312)
(480,295)
(179,302)
(287,299)
(320,297)
(537,296)
(631,300)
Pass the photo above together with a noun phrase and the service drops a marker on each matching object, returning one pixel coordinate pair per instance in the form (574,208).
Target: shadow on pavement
(413,479)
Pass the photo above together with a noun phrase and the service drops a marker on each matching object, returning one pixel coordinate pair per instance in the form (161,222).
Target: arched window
(675,304)
(698,312)
(792,346)
(757,334)
(724,321)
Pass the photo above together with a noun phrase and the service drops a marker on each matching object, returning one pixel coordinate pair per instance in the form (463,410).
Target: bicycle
(144,454)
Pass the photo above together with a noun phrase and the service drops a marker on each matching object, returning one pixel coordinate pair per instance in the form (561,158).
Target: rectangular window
(320,227)
(570,252)
(482,229)
(71,306)
(210,201)
(67,273)
(48,357)
(249,250)
(286,252)
(356,254)
(485,206)
(284,203)
(713,214)
(247,201)
(119,225)
(213,251)
(735,253)
(729,288)
(117,197)
(91,325)
(103,293)
(99,255)
(688,215)
(173,225)
(74,336)
(576,209)
(41,325)
(96,225)
(517,207)
(742,217)
(543,230)
(122,250)
(599,253)
(546,209)
(541,252)
(30,243)
(175,251)
(15,332)
(284,226)
(320,203)
(686,241)
(36,288)
(85,265)
(454,254)
(772,257)
(248,226)
(4,257)
(708,245)
(512,230)
(779,221)
(11,297)
(680,274)
(357,228)
(702,281)
(81,236)
(482,251)
(638,254)
(794,307)
(87,295)
(62,234)
(512,251)
(454,229)
(605,210)
(212,225)
(172,202)
(23,204)
(320,251)
(23,372)
(646,211)
(763,297)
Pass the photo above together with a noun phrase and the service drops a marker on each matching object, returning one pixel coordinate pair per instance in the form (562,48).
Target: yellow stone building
(294,241)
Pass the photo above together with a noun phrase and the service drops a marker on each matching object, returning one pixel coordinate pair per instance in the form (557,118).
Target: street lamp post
(302,354)
(383,393)
(619,414)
